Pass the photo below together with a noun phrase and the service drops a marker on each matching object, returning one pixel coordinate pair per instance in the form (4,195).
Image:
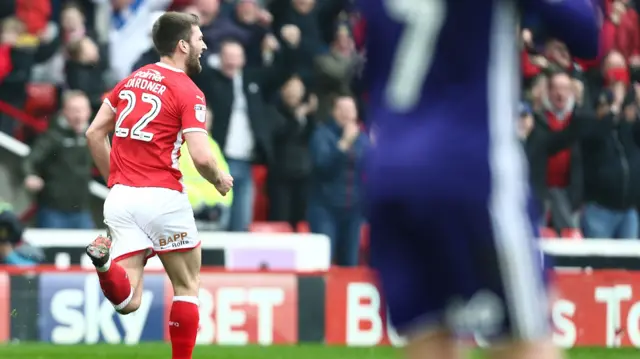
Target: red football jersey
(154,106)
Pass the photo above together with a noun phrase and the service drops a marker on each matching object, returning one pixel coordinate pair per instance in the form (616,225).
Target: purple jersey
(452,236)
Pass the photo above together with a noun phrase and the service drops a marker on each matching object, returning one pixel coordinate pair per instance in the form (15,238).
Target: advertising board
(73,310)
(240,309)
(598,308)
(339,307)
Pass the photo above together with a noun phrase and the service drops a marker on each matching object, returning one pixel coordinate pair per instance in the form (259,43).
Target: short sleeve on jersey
(194,113)
(113,97)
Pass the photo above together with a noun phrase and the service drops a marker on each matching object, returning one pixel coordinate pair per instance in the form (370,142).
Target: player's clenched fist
(291,34)
(224,183)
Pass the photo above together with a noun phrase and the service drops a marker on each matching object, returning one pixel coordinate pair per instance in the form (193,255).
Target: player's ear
(183,46)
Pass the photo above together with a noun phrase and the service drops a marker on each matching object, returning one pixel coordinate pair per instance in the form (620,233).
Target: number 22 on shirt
(137,130)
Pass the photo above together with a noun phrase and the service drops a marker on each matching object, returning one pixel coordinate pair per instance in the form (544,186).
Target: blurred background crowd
(283,84)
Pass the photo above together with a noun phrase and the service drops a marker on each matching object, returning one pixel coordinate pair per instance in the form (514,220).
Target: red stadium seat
(571,233)
(270,227)
(303,227)
(261,201)
(546,232)
(42,99)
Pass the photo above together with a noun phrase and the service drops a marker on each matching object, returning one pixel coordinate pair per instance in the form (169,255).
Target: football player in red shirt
(147,212)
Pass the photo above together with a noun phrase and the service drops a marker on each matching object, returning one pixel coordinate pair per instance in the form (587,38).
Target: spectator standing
(289,174)
(337,147)
(613,70)
(72,29)
(58,168)
(242,128)
(316,21)
(215,27)
(540,143)
(85,69)
(563,173)
(19,51)
(612,169)
(253,22)
(335,69)
(620,30)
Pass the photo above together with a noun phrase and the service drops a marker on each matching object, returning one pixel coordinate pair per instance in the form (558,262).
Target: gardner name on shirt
(148,80)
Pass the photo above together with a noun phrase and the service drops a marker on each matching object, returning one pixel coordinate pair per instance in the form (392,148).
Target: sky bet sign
(73,310)
(234,309)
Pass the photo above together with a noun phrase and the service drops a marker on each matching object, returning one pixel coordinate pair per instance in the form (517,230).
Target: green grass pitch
(162,351)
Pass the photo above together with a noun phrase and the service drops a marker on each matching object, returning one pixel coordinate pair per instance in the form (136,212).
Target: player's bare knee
(133,305)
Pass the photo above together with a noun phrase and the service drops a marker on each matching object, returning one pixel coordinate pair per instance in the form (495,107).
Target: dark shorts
(453,241)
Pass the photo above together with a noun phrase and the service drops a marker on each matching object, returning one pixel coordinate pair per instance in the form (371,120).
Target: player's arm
(202,156)
(193,112)
(575,22)
(98,140)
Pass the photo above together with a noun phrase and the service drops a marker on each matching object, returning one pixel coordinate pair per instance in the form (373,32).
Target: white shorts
(149,220)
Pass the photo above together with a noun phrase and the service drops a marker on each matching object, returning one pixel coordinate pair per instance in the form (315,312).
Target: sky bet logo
(73,310)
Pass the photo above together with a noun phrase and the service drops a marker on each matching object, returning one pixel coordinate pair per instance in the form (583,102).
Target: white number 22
(423,21)
(137,132)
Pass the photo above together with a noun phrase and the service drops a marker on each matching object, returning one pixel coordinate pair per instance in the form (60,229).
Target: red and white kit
(147,209)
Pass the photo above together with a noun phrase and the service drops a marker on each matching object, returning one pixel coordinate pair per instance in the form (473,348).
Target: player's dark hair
(170,28)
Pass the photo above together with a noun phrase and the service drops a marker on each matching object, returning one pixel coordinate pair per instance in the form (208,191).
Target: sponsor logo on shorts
(177,240)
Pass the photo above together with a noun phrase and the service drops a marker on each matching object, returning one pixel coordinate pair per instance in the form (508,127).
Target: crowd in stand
(282,82)
(580,129)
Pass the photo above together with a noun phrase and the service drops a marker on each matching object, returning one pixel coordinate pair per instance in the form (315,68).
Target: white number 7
(423,21)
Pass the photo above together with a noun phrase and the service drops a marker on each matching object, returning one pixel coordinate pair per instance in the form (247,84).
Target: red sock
(115,285)
(183,326)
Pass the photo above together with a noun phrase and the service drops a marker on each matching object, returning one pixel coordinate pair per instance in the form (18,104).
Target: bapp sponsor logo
(238,309)
(5,312)
(73,310)
(601,308)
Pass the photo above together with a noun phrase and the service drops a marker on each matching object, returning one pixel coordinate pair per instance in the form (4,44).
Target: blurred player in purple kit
(452,233)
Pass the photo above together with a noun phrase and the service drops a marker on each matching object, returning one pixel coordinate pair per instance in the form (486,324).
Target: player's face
(196,47)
